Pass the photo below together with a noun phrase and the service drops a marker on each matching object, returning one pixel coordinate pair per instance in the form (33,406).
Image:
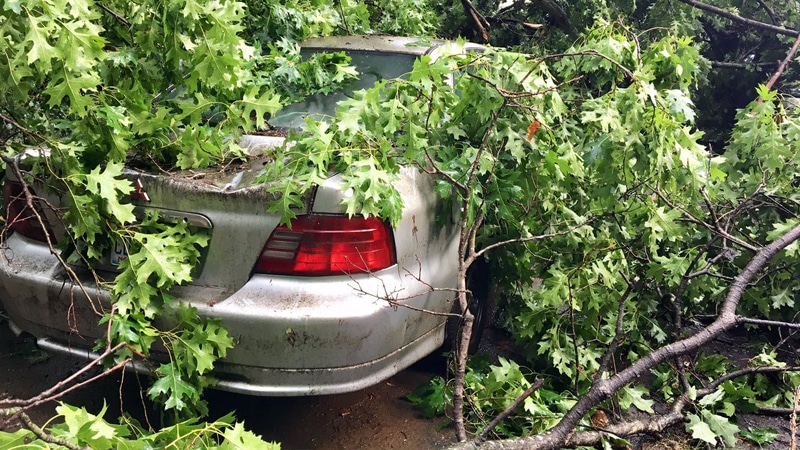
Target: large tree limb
(740,19)
(563,433)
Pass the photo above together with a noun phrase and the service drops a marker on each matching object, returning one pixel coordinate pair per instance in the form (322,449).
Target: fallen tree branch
(734,65)
(743,20)
(563,433)
(772,16)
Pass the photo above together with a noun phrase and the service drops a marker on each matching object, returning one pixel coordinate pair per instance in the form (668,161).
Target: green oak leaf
(721,426)
(160,257)
(172,387)
(89,428)
(39,29)
(238,438)
(256,105)
(109,186)
(700,430)
(75,88)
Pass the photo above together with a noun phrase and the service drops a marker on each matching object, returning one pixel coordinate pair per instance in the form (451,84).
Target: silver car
(307,306)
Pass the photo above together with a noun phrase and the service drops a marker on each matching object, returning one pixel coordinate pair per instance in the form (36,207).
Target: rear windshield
(372,66)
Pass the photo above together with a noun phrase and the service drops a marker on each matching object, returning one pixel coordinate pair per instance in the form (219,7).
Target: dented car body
(303,323)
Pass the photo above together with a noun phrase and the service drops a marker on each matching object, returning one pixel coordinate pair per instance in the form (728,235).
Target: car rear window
(372,66)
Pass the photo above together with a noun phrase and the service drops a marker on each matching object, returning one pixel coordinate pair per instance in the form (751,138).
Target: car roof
(393,44)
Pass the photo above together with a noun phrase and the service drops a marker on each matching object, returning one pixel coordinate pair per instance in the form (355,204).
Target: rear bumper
(293,337)
(293,382)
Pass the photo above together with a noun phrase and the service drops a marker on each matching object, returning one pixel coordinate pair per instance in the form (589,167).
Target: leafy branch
(563,435)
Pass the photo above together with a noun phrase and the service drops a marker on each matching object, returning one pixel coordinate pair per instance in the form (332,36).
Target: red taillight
(18,215)
(328,245)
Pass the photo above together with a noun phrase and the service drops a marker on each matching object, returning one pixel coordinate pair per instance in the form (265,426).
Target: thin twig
(344,18)
(619,332)
(396,302)
(507,412)
(538,237)
(627,71)
(114,14)
(793,420)
(691,218)
(21,128)
(29,200)
(56,391)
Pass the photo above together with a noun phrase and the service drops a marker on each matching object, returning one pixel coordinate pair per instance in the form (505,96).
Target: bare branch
(772,16)
(477,19)
(59,390)
(397,302)
(619,332)
(771,323)
(734,65)
(716,229)
(740,19)
(506,412)
(784,63)
(538,237)
(117,16)
(743,372)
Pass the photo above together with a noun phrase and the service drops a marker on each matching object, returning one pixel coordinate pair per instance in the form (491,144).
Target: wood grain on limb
(563,433)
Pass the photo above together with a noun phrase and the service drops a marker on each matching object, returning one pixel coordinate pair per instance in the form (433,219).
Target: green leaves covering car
(322,300)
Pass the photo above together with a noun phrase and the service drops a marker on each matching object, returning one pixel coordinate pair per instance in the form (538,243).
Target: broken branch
(740,19)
